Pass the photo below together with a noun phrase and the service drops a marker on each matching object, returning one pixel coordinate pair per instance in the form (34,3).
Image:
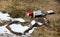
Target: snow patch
(15,27)
(18,19)
(18,28)
(3,30)
(5,16)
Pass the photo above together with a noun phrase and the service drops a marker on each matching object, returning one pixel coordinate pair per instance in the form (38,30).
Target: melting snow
(4,16)
(32,30)
(3,30)
(18,28)
(15,28)
(18,19)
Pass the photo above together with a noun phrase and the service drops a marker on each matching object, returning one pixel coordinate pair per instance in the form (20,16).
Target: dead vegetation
(17,8)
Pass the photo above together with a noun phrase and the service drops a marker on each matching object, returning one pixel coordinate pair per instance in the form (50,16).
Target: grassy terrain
(17,8)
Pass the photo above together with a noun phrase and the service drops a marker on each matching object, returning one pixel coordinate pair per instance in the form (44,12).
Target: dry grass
(17,8)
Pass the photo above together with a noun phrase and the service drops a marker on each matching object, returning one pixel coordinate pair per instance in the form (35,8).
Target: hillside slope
(17,8)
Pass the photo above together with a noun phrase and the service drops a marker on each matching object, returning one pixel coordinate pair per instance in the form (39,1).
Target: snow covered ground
(18,19)
(15,27)
(5,16)
(3,30)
